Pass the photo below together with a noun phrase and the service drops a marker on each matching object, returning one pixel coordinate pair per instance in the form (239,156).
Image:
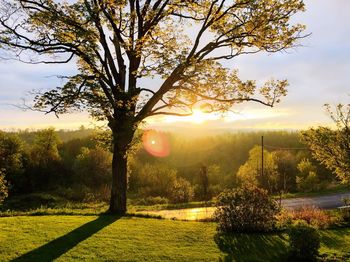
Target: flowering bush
(246,209)
(312,216)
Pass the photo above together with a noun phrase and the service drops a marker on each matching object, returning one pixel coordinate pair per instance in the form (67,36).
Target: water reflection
(199,213)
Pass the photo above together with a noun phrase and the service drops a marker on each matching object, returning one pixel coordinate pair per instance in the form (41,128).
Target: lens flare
(156,143)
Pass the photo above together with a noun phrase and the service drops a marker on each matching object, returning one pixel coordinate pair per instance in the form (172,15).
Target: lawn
(93,238)
(68,238)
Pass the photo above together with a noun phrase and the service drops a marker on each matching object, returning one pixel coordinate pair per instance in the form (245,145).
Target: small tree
(250,171)
(181,191)
(45,148)
(3,187)
(44,167)
(286,169)
(92,167)
(152,180)
(307,179)
(204,182)
(246,209)
(332,146)
(11,159)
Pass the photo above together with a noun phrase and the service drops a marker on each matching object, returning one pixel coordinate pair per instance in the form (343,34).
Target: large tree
(117,43)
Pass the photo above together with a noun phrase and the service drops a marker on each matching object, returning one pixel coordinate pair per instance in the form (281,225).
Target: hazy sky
(317,72)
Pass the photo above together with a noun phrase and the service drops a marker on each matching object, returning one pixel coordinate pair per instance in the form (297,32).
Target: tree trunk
(121,142)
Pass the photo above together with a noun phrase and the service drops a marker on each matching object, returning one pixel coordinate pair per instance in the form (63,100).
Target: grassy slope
(137,239)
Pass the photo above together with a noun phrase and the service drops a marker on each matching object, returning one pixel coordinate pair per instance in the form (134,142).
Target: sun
(197,117)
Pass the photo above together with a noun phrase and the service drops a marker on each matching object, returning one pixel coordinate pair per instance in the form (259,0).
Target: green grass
(101,238)
(105,238)
(336,243)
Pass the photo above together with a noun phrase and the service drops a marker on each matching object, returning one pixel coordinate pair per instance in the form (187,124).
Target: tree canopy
(332,146)
(116,43)
(250,171)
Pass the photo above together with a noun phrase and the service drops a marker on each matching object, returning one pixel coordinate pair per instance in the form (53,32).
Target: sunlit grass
(96,239)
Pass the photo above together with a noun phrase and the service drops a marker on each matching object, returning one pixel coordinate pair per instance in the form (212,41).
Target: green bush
(93,167)
(346,201)
(3,188)
(83,193)
(246,209)
(148,201)
(152,180)
(181,191)
(345,213)
(304,242)
(31,201)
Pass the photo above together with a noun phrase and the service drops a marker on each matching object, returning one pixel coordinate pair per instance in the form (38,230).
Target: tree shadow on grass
(63,244)
(252,247)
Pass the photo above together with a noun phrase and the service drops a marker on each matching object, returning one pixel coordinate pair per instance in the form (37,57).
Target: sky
(317,73)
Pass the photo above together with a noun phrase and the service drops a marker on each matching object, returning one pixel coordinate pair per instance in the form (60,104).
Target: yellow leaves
(163,48)
(260,25)
(273,90)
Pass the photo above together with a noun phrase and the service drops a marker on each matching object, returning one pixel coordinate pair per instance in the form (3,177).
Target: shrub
(3,188)
(346,201)
(225,242)
(312,216)
(148,201)
(93,167)
(246,209)
(345,210)
(309,183)
(181,191)
(307,179)
(284,219)
(152,180)
(31,201)
(82,193)
(304,242)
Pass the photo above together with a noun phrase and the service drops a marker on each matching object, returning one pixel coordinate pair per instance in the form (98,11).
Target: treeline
(77,165)
(213,164)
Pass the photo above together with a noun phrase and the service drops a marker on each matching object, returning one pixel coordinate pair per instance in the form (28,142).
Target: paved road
(324,202)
